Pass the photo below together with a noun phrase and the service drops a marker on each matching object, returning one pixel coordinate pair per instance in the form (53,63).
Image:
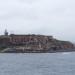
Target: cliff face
(35,42)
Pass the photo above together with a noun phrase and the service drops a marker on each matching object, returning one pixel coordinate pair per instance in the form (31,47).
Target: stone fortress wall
(35,42)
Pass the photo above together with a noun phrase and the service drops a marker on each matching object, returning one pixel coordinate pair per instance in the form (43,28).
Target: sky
(47,17)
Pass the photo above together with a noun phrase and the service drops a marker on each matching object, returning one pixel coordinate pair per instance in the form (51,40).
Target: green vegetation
(3,47)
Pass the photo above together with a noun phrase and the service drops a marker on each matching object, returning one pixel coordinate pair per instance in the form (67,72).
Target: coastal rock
(34,43)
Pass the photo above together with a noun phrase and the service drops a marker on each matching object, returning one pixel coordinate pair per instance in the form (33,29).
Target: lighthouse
(6,32)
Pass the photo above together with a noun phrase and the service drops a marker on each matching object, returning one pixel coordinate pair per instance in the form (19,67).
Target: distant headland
(14,43)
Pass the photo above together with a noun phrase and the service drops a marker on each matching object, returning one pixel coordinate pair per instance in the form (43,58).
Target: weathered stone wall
(35,42)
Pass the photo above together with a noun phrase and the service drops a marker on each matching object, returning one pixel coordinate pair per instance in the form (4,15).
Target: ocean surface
(37,64)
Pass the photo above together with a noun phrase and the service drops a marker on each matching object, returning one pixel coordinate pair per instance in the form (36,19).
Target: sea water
(37,64)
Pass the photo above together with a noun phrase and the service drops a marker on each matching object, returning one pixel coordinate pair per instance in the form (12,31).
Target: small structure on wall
(6,32)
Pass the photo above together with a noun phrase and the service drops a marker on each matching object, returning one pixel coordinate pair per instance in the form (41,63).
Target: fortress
(34,42)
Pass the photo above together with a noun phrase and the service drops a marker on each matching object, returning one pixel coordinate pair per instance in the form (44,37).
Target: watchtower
(6,32)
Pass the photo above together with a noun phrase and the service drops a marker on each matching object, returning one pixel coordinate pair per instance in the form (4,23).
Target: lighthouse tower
(6,32)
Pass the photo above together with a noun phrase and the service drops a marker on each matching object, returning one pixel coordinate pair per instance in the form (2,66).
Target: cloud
(49,17)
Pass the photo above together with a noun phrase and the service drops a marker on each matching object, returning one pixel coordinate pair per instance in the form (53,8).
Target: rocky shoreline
(33,44)
(14,50)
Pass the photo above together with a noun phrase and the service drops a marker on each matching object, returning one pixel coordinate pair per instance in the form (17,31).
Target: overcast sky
(48,17)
